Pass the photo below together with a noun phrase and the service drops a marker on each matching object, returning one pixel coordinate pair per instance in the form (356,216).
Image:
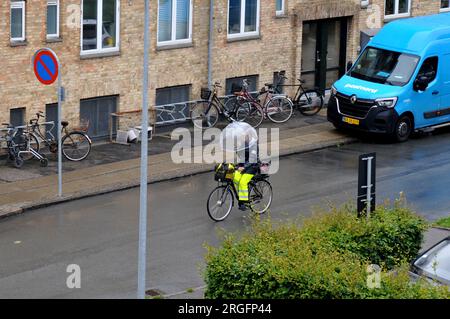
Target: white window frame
(17,5)
(173,40)
(396,15)
(99,49)
(280,12)
(242,33)
(444,9)
(54,3)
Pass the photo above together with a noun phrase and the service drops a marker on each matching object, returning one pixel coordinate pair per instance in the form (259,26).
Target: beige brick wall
(277,48)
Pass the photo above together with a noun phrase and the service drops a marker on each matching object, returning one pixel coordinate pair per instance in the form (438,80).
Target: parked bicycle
(76,145)
(205,113)
(277,108)
(308,102)
(221,200)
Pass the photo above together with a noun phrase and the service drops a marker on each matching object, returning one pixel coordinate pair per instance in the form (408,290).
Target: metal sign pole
(59,134)
(144,160)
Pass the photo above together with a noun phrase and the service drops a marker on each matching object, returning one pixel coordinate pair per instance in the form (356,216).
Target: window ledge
(281,15)
(395,17)
(18,43)
(94,55)
(173,46)
(444,10)
(244,38)
(53,39)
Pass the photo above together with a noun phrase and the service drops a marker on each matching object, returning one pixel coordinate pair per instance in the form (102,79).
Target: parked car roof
(434,263)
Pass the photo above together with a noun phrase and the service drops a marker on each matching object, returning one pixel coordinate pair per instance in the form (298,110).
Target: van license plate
(349,120)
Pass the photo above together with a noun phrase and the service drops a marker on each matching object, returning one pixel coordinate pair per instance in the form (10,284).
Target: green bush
(323,258)
(390,237)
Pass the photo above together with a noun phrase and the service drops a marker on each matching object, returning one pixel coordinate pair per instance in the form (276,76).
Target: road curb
(20,208)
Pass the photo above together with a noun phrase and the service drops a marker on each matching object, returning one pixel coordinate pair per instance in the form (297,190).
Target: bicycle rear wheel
(250,114)
(310,102)
(76,146)
(279,109)
(200,118)
(260,196)
(220,203)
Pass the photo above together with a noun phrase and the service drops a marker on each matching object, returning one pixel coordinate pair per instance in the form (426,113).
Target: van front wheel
(403,129)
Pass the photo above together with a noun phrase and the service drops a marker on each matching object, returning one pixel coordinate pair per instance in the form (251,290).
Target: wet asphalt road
(100,233)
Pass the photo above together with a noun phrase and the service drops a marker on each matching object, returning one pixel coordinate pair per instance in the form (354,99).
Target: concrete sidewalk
(16,197)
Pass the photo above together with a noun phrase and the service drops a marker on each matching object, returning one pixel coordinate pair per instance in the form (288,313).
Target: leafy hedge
(326,257)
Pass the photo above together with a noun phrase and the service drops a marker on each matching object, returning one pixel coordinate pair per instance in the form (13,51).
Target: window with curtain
(17,21)
(243,18)
(174,21)
(397,8)
(100,31)
(53,19)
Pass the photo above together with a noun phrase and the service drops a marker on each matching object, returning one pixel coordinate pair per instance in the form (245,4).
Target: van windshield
(383,66)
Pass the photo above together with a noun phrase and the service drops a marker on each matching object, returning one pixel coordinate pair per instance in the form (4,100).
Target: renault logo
(353,99)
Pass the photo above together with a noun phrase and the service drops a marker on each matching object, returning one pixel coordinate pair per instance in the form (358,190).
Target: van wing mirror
(421,83)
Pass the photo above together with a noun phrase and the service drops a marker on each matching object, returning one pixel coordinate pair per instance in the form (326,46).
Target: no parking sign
(46,68)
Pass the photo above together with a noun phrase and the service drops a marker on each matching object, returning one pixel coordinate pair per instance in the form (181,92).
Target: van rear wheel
(403,129)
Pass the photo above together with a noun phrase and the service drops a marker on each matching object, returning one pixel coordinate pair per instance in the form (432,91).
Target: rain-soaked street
(100,233)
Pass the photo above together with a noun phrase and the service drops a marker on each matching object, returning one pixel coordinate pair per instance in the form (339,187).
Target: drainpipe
(210,40)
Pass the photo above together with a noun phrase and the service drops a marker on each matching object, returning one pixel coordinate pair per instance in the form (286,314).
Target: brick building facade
(102,66)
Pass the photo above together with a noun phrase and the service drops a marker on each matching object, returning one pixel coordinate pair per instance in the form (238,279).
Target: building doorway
(324,49)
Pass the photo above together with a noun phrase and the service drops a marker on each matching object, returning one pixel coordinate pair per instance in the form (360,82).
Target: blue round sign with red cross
(46,66)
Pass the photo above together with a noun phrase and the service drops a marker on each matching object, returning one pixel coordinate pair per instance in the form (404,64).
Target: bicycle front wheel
(279,109)
(220,203)
(204,115)
(260,196)
(310,102)
(76,146)
(250,114)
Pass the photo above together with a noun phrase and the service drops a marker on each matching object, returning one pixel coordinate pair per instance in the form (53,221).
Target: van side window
(429,69)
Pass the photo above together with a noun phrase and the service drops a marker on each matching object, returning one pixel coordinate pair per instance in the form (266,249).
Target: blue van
(400,82)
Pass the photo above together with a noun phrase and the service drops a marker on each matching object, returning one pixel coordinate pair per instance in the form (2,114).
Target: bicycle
(222,198)
(277,108)
(308,102)
(206,112)
(76,145)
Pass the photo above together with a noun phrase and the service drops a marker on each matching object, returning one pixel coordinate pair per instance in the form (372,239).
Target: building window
(279,7)
(17,116)
(18,21)
(445,5)
(53,19)
(237,81)
(174,21)
(243,18)
(397,8)
(98,112)
(100,32)
(173,99)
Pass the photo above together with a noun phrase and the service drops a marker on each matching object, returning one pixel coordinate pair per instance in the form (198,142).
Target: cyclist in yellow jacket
(243,174)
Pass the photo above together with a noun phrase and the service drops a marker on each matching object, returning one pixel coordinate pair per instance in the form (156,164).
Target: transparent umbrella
(238,136)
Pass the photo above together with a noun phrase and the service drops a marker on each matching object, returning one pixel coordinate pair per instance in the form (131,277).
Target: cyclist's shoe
(242,206)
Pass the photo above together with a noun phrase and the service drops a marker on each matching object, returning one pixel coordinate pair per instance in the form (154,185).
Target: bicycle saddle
(301,81)
(269,85)
(64,123)
(8,125)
